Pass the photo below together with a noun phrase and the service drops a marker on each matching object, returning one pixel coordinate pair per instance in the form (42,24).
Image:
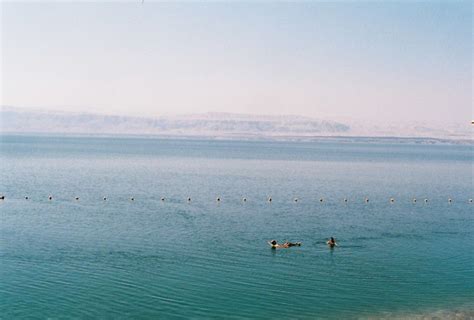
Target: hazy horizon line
(57,109)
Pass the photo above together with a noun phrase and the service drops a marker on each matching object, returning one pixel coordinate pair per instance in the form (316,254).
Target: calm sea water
(148,258)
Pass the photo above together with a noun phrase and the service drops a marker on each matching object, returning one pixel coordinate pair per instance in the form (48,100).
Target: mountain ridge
(212,124)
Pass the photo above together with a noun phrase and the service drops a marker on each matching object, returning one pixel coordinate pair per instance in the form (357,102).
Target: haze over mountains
(213,125)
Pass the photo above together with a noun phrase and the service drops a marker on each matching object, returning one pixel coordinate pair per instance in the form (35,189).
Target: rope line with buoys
(244,199)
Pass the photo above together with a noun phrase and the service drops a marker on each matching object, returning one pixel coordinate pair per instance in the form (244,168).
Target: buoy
(244,199)
(392,200)
(50,198)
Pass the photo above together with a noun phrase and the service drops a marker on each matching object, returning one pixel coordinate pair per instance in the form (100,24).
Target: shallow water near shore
(148,258)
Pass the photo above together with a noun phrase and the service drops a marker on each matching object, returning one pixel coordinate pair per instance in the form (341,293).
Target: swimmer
(287,244)
(331,243)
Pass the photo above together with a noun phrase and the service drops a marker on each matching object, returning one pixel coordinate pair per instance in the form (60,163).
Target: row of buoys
(244,199)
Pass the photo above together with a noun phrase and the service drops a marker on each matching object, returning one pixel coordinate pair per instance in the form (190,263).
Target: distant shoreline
(343,139)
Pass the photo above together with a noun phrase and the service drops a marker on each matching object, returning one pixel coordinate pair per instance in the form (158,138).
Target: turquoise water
(148,258)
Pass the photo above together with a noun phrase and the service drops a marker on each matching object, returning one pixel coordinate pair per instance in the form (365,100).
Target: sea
(149,228)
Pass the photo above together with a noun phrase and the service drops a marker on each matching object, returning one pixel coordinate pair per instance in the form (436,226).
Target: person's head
(273,242)
(332,239)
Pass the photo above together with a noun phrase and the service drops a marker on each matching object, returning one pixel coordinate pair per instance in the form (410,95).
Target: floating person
(331,243)
(275,245)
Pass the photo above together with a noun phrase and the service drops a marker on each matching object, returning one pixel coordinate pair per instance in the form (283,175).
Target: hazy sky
(397,61)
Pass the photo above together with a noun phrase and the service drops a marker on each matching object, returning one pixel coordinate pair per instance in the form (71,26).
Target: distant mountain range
(211,125)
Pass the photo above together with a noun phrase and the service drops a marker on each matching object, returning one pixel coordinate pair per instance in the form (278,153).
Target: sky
(375,61)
